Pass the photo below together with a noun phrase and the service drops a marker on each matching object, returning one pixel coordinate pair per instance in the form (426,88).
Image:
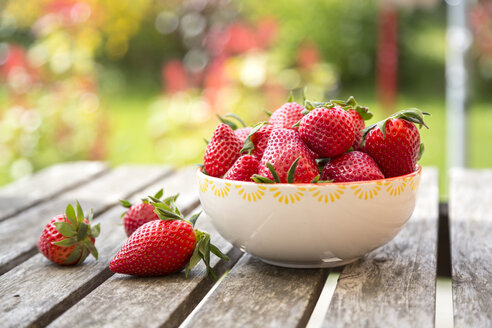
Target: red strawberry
(260,140)
(138,214)
(359,126)
(394,143)
(69,238)
(327,131)
(287,115)
(243,169)
(257,140)
(284,147)
(242,133)
(352,166)
(358,113)
(222,151)
(147,253)
(164,246)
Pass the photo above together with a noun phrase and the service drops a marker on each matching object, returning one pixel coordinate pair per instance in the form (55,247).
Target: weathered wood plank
(18,235)
(149,302)
(470,222)
(45,184)
(37,291)
(395,284)
(255,294)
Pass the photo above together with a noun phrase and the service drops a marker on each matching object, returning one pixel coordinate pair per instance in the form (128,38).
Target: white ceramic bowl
(309,225)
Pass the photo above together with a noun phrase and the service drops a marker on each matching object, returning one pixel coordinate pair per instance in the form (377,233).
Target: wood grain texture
(470,222)
(395,284)
(37,291)
(256,294)
(45,184)
(18,235)
(148,302)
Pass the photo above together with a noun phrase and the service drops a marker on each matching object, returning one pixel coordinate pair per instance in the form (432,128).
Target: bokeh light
(142,81)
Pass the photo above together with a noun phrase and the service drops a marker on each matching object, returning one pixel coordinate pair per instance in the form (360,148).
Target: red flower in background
(308,55)
(481,23)
(15,58)
(215,79)
(240,38)
(174,77)
(220,44)
(16,71)
(69,11)
(267,32)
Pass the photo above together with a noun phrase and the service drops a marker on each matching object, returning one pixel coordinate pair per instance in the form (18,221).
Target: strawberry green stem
(167,210)
(231,124)
(79,233)
(248,145)
(413,115)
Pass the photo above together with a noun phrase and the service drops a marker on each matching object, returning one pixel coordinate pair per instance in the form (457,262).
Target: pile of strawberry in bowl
(313,186)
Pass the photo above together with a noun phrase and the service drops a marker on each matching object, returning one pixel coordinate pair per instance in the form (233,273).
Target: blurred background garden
(142,81)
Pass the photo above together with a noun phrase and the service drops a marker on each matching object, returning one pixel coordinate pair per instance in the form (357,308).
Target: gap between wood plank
(315,299)
(47,317)
(18,260)
(444,303)
(443,242)
(55,194)
(202,292)
(321,308)
(204,299)
(444,296)
(34,250)
(84,290)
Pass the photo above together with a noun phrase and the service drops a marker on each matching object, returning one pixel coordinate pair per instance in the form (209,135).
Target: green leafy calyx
(203,248)
(166,209)
(413,115)
(229,122)
(248,145)
(276,179)
(79,233)
(348,104)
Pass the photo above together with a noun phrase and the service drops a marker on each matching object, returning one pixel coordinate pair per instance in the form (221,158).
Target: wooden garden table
(394,285)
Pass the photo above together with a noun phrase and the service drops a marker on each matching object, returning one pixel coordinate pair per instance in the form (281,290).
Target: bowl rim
(351,183)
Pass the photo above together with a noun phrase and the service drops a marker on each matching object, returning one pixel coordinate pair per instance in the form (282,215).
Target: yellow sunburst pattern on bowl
(395,188)
(367,191)
(413,182)
(327,197)
(223,191)
(204,184)
(288,197)
(251,196)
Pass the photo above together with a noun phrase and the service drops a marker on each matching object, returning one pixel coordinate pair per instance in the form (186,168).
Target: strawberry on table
(394,143)
(284,147)
(138,214)
(165,246)
(222,151)
(352,166)
(242,170)
(69,238)
(328,132)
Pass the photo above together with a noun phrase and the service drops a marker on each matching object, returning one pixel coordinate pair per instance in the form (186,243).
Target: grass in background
(129,140)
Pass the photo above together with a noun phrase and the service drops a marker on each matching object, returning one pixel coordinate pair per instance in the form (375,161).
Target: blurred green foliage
(142,81)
